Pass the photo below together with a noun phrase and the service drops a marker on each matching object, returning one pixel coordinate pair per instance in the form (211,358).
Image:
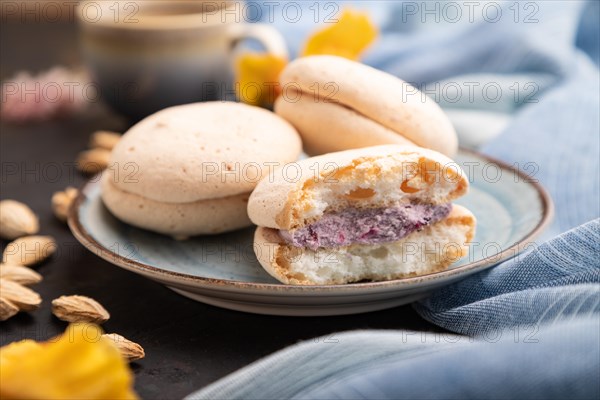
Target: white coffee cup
(148,55)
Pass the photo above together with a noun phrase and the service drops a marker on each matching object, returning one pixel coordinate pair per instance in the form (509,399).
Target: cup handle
(266,35)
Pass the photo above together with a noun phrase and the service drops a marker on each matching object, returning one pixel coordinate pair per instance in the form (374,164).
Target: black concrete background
(188,345)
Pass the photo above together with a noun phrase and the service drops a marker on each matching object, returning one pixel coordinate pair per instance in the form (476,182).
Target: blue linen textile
(534,329)
(532,322)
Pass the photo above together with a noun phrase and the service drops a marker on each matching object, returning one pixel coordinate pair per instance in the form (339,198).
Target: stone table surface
(188,344)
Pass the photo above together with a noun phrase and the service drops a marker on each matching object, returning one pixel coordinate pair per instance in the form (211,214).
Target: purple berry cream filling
(366,226)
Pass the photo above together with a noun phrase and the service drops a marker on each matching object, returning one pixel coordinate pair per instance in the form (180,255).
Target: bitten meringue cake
(375,213)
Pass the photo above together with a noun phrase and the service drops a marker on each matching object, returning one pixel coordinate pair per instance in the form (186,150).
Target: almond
(20,274)
(16,220)
(79,309)
(29,250)
(25,299)
(93,161)
(131,351)
(104,139)
(7,309)
(61,202)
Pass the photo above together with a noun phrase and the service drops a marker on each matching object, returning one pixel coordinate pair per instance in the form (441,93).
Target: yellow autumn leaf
(258,74)
(77,365)
(258,78)
(348,37)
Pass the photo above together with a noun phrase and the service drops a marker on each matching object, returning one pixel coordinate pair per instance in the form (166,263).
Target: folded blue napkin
(531,325)
(534,333)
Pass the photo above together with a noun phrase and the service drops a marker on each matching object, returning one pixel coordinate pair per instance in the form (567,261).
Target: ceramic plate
(221,270)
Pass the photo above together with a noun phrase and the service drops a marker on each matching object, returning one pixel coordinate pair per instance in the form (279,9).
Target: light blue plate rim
(87,240)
